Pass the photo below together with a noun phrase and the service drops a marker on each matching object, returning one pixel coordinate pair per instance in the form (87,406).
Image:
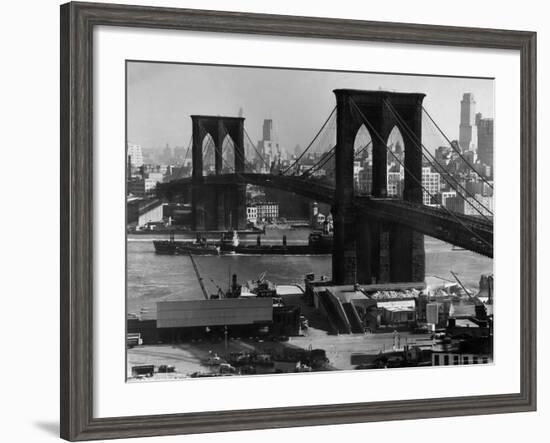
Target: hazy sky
(162,96)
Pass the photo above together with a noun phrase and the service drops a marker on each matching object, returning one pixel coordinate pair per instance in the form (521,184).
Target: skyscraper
(485,140)
(268,146)
(468,130)
(268,129)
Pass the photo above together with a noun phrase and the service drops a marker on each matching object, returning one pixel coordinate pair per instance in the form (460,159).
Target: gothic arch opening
(228,155)
(208,155)
(362,167)
(395,161)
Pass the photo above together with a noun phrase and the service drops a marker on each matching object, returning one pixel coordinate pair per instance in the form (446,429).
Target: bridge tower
(366,250)
(217,207)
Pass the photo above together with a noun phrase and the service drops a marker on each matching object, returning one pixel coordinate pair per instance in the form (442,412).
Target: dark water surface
(153,277)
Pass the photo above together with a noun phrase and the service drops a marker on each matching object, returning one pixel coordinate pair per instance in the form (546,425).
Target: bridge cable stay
(188,148)
(420,183)
(454,148)
(328,156)
(319,140)
(255,150)
(312,141)
(418,143)
(322,162)
(421,147)
(230,167)
(415,179)
(371,128)
(328,136)
(242,156)
(237,154)
(206,148)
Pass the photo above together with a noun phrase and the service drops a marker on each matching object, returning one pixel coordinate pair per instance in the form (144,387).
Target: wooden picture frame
(77,23)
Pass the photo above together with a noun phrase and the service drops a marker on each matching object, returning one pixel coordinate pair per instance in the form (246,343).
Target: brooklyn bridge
(377,237)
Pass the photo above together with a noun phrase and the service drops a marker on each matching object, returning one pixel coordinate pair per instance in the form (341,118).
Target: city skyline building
(431,182)
(485,139)
(468,130)
(176,98)
(269,147)
(135,155)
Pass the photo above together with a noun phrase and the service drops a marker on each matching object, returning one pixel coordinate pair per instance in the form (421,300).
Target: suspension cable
(453,147)
(188,148)
(237,153)
(421,147)
(322,162)
(418,143)
(414,178)
(324,157)
(312,141)
(329,155)
(255,150)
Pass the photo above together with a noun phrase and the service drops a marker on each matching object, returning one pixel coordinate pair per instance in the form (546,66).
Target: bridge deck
(472,233)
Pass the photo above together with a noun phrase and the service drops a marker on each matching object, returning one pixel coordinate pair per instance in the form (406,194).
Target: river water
(153,277)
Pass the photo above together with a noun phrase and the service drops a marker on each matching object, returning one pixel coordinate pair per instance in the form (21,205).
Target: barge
(199,247)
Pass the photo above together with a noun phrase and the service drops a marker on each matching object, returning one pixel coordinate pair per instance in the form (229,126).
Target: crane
(201,283)
(473,297)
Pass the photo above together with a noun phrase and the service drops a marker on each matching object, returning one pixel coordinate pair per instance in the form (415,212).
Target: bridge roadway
(472,233)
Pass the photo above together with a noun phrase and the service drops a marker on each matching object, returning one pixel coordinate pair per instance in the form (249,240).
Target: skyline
(162,96)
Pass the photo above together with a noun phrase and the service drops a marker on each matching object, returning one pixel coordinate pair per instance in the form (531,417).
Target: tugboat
(262,287)
(321,241)
(229,241)
(199,247)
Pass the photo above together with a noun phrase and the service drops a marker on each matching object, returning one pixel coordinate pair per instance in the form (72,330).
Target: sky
(162,96)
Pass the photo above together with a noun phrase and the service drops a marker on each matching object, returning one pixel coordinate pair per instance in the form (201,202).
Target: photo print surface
(293,221)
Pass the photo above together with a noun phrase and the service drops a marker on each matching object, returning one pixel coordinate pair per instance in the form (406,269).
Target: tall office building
(135,155)
(268,146)
(485,140)
(467,137)
(268,129)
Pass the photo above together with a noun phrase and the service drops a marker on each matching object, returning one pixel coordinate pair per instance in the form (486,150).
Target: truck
(143,370)
(133,339)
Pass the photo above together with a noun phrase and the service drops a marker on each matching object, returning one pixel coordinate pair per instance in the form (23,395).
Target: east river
(153,277)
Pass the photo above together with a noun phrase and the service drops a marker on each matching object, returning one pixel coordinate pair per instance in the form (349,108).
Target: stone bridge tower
(217,207)
(365,250)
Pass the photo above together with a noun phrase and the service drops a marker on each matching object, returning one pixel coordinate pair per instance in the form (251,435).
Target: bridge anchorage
(376,238)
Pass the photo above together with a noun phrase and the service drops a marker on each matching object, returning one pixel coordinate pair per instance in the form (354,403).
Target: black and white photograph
(293,221)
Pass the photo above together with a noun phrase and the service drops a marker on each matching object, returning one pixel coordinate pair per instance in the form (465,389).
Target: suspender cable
(371,128)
